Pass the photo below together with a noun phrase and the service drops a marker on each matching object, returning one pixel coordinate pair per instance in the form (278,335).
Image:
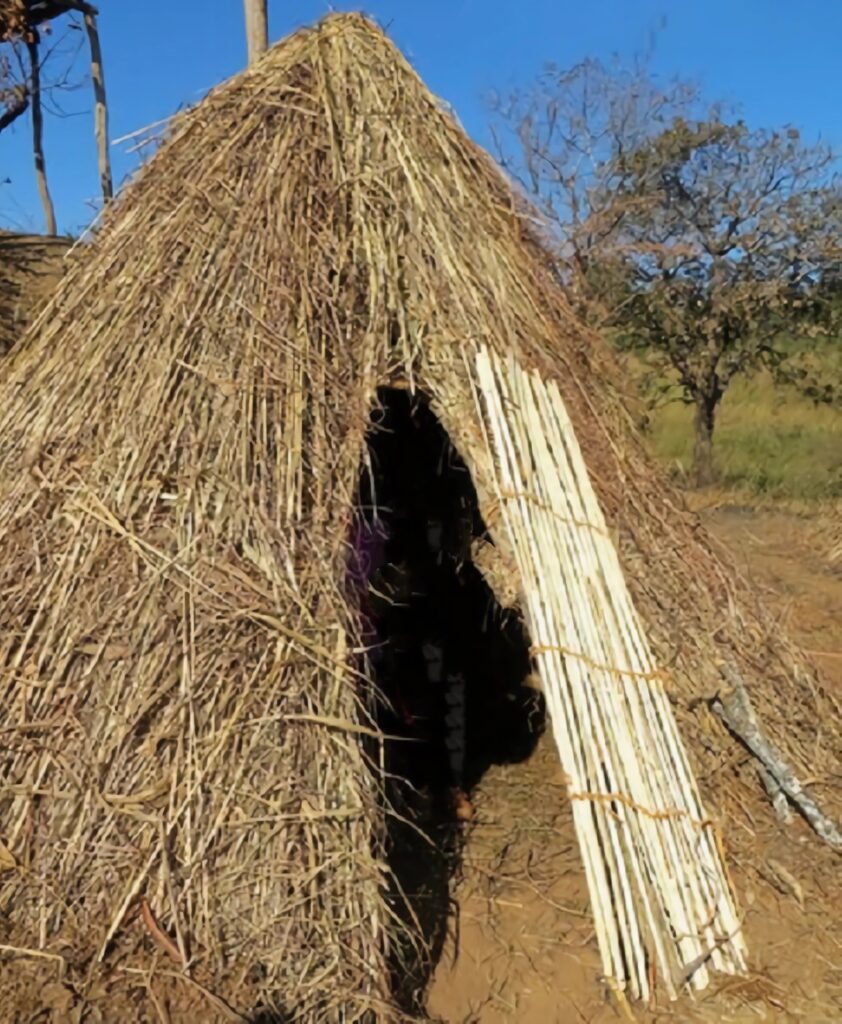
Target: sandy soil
(521,948)
(787,557)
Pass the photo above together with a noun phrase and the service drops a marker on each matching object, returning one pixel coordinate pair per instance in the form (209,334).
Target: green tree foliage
(706,245)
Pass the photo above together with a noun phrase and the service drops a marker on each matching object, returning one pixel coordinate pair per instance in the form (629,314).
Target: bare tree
(23,86)
(568,141)
(257,28)
(38,134)
(14,101)
(700,242)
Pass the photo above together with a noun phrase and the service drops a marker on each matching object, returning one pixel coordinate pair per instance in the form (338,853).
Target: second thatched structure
(30,268)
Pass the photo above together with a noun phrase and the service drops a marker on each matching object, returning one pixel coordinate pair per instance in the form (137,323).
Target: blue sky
(778,60)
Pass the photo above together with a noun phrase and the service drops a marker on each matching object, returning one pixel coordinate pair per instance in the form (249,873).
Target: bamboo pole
(594,719)
(617,694)
(561,712)
(38,136)
(591,635)
(654,692)
(680,783)
(653,868)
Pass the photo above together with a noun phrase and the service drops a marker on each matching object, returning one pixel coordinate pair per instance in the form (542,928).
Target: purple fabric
(368,548)
(368,544)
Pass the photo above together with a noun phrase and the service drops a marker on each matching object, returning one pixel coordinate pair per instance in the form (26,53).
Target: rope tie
(622,798)
(533,500)
(651,676)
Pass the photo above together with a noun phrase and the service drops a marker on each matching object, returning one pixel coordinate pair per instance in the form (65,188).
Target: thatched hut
(30,267)
(194,788)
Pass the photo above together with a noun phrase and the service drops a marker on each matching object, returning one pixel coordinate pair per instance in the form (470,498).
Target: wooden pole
(101,108)
(257,28)
(38,134)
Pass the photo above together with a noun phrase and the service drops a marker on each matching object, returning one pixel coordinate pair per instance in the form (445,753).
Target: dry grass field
(770,441)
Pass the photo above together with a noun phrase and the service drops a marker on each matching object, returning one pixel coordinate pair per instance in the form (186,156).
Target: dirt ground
(521,947)
(792,560)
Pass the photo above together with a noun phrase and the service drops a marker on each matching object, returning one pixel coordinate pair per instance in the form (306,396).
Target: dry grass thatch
(30,268)
(180,441)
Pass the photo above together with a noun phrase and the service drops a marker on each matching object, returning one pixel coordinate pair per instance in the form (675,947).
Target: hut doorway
(451,666)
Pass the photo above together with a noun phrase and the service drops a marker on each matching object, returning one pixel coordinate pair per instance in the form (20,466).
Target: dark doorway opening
(451,665)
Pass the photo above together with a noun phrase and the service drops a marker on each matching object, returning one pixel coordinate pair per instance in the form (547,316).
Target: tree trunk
(703,473)
(37,137)
(101,109)
(257,28)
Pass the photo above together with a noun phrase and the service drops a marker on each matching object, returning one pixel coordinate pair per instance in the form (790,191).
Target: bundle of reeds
(658,885)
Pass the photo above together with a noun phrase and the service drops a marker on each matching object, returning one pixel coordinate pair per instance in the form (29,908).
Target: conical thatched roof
(180,442)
